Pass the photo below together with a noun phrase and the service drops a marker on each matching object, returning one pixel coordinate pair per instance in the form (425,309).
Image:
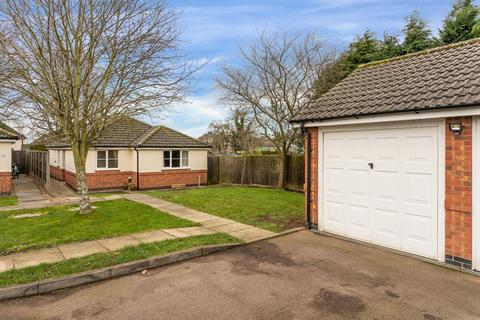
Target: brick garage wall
(57,173)
(314,176)
(5,182)
(458,194)
(104,180)
(167,178)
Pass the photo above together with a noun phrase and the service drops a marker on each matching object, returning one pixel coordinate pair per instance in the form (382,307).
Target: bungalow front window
(175,159)
(107,159)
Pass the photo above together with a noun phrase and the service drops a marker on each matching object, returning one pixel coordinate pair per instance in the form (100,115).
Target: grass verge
(58,225)
(270,209)
(102,260)
(8,201)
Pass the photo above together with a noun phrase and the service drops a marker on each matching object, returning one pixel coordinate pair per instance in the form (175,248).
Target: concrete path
(81,249)
(56,202)
(298,276)
(28,194)
(238,230)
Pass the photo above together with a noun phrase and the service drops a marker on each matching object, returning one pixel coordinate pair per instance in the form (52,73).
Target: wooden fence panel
(296,172)
(22,160)
(255,170)
(39,167)
(213,170)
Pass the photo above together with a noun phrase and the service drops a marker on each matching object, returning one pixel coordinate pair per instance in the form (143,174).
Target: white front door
(380,186)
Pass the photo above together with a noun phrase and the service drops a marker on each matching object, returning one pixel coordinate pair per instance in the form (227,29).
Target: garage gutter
(416,114)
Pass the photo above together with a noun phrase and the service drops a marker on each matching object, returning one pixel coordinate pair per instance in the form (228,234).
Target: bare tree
(220,137)
(275,82)
(80,65)
(242,133)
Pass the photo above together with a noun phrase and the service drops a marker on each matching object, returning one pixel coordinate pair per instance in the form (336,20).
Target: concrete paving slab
(154,236)
(27,215)
(6,263)
(189,232)
(118,243)
(251,234)
(199,217)
(75,250)
(216,222)
(235,226)
(113,197)
(36,257)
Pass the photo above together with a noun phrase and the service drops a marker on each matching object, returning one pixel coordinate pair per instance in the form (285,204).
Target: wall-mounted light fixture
(456,128)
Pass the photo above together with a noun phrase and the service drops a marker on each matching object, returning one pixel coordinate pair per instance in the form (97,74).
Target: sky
(213,30)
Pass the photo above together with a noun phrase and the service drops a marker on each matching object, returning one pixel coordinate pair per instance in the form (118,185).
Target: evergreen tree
(418,36)
(390,47)
(362,50)
(462,23)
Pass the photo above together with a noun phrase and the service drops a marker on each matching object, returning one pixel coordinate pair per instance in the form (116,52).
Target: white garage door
(380,186)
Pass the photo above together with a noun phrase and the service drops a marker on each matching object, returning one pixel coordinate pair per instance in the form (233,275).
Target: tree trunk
(282,178)
(80,157)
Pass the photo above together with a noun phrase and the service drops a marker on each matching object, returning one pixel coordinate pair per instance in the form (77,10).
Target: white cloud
(194,116)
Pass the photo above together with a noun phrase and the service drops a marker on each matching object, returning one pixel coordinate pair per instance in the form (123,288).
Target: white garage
(393,155)
(379,185)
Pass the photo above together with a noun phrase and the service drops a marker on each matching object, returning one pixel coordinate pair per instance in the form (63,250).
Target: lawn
(270,209)
(8,201)
(60,225)
(102,260)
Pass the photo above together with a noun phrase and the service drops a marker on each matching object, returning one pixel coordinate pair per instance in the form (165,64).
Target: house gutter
(309,173)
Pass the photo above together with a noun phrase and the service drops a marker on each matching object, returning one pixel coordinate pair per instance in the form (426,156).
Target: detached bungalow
(134,153)
(9,140)
(393,155)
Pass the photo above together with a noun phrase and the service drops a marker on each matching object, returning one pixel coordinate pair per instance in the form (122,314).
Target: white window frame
(181,159)
(106,159)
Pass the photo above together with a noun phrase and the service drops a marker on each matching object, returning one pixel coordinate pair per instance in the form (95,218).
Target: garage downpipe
(308,148)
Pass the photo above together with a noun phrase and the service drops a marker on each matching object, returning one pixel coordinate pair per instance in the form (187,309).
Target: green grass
(271,209)
(8,201)
(102,260)
(59,225)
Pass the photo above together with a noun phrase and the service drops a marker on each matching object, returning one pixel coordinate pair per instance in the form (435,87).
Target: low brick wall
(167,178)
(115,179)
(5,182)
(57,173)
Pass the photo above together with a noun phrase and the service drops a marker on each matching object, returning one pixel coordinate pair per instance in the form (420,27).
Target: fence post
(47,171)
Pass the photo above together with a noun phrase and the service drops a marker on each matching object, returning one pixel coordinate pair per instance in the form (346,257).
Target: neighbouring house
(10,140)
(393,155)
(134,153)
(20,138)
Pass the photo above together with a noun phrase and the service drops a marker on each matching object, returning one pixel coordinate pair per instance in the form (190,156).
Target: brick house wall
(5,182)
(115,179)
(458,194)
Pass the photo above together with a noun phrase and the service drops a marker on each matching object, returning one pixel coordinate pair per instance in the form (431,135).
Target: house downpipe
(308,148)
(138,169)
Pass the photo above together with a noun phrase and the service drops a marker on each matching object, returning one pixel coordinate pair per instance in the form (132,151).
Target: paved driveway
(302,276)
